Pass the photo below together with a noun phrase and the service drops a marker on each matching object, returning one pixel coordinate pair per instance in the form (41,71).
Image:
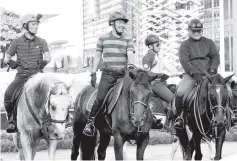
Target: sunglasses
(196,31)
(157,44)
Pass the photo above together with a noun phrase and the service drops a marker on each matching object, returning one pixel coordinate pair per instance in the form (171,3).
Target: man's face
(120,26)
(195,34)
(33,27)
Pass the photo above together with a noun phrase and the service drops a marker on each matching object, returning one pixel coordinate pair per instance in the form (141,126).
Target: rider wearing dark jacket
(199,57)
(32,56)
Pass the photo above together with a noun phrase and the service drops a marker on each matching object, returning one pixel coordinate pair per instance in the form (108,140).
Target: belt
(113,71)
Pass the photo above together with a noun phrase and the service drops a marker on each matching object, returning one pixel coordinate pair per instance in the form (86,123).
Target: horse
(130,118)
(207,115)
(42,112)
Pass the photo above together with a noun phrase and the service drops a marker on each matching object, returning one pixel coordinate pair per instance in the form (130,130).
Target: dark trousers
(107,81)
(15,84)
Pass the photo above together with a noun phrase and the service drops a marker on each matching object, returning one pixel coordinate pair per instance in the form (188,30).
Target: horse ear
(228,78)
(70,85)
(132,75)
(152,76)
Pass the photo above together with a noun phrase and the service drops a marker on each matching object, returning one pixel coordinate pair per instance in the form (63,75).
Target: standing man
(199,57)
(117,50)
(32,56)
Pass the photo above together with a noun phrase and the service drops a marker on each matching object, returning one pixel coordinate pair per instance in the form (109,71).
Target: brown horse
(131,119)
(207,117)
(41,113)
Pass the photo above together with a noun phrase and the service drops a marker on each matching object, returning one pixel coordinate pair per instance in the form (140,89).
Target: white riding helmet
(30,18)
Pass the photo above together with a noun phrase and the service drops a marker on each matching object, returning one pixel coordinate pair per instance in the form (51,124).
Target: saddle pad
(113,95)
(110,99)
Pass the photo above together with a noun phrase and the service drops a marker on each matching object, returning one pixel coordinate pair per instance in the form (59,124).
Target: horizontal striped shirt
(28,53)
(114,49)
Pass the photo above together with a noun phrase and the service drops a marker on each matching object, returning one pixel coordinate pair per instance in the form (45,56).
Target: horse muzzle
(137,122)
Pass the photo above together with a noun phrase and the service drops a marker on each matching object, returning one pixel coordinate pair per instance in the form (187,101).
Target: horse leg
(52,144)
(18,143)
(175,145)
(197,144)
(211,149)
(75,146)
(118,146)
(88,145)
(219,144)
(26,146)
(142,143)
(34,150)
(184,142)
(104,142)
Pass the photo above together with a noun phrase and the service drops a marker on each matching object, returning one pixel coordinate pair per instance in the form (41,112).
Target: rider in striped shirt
(116,49)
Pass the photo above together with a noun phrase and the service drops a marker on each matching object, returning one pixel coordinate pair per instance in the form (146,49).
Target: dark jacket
(198,56)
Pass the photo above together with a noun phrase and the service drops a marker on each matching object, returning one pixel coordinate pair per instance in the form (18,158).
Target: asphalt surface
(153,152)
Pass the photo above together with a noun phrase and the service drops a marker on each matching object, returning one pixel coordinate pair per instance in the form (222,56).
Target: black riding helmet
(151,39)
(195,24)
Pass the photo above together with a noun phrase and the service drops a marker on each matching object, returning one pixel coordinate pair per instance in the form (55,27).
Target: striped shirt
(28,53)
(114,49)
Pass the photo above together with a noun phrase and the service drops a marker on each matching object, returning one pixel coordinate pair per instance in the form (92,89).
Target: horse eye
(53,107)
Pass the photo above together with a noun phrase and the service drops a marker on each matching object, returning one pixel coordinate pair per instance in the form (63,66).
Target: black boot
(11,126)
(157,124)
(179,121)
(89,129)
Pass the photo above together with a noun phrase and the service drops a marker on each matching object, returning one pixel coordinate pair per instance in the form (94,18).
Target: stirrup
(177,124)
(90,133)
(11,127)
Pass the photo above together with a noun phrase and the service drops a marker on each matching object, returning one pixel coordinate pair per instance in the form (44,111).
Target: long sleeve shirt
(197,56)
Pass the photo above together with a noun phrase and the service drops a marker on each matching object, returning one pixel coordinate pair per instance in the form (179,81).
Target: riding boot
(11,126)
(157,124)
(179,121)
(89,129)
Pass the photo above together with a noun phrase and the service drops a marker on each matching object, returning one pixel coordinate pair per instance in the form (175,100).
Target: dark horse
(131,119)
(207,117)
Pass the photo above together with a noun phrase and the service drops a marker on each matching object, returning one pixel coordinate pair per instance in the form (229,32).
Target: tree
(9,30)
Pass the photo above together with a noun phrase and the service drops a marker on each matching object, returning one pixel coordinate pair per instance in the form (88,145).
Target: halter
(214,128)
(44,125)
(132,113)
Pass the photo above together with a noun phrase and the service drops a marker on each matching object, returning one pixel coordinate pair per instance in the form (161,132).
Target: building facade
(220,25)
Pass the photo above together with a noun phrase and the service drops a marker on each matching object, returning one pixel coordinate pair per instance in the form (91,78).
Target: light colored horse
(42,113)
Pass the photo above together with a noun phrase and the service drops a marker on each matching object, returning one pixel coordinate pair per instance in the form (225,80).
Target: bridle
(213,108)
(132,104)
(47,121)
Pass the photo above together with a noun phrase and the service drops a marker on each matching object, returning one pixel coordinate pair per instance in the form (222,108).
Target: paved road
(153,152)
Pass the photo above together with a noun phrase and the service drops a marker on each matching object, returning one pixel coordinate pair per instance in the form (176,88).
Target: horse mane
(41,85)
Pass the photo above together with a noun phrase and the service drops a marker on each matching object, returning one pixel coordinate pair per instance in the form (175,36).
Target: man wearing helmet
(32,56)
(199,57)
(151,62)
(117,50)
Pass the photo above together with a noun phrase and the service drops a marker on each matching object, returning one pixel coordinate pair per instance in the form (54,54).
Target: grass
(156,137)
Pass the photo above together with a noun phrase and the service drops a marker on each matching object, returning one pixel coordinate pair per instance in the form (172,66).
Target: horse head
(59,103)
(218,100)
(49,101)
(139,94)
